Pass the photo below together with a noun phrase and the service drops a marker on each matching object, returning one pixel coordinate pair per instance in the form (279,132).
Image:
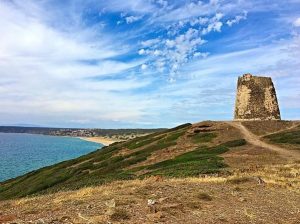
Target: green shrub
(201,160)
(142,141)
(235,143)
(290,137)
(203,137)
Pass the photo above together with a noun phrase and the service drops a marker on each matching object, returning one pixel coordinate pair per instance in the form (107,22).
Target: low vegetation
(291,137)
(202,160)
(203,137)
(235,143)
(126,161)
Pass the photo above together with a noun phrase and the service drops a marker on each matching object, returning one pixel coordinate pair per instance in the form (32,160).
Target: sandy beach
(102,140)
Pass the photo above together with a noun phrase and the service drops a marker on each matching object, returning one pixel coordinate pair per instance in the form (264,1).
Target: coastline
(102,140)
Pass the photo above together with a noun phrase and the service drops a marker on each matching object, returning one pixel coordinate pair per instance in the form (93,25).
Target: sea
(22,153)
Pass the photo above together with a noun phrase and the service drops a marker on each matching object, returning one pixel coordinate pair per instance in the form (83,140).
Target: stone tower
(256,99)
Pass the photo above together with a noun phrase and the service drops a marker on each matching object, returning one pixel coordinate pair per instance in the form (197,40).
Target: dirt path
(255,140)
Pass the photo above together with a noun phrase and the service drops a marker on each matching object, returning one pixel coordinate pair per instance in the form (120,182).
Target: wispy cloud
(237,19)
(71,63)
(132,19)
(297,22)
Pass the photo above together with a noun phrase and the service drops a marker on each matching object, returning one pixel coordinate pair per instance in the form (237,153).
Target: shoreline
(102,140)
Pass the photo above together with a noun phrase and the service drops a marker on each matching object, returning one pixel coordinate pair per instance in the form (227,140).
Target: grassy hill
(183,151)
(202,173)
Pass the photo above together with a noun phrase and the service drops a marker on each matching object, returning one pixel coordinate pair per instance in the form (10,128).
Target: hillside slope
(202,200)
(185,151)
(207,172)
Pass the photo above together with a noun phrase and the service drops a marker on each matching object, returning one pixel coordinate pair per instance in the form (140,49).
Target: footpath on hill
(255,140)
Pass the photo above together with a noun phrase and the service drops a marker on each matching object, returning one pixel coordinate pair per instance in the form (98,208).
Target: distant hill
(29,130)
(78,132)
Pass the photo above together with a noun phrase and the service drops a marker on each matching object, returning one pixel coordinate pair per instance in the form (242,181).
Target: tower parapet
(256,99)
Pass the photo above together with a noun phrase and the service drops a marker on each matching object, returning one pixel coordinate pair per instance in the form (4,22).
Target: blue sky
(134,63)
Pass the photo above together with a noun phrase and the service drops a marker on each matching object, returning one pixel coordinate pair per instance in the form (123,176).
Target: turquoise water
(21,153)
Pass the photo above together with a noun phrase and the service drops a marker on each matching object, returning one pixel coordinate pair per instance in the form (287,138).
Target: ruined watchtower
(256,99)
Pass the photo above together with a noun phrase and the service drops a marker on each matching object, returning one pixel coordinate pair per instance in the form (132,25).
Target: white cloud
(297,22)
(141,51)
(237,19)
(144,66)
(200,54)
(48,74)
(171,53)
(132,19)
(137,6)
(189,10)
(214,24)
(150,42)
(37,40)
(206,17)
(157,52)
(199,21)
(162,3)
(170,43)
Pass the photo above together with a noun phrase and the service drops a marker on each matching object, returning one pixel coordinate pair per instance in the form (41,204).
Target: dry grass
(120,215)
(249,157)
(238,198)
(238,180)
(261,128)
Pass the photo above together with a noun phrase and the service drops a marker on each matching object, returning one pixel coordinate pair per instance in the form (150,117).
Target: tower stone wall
(256,99)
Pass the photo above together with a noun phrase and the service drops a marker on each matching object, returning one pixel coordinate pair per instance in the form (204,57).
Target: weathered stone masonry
(256,99)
